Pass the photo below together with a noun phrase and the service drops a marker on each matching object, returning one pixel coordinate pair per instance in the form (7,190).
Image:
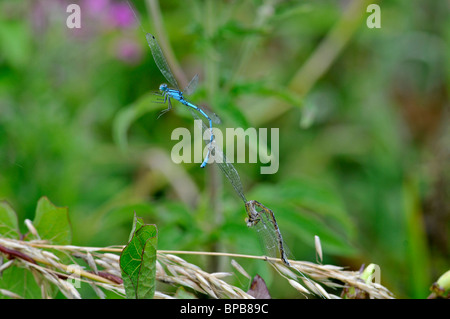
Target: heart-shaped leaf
(138,262)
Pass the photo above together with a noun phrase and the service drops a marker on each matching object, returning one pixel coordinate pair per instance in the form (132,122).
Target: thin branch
(329,49)
(320,60)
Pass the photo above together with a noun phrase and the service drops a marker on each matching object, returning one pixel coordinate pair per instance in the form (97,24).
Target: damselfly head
(163,87)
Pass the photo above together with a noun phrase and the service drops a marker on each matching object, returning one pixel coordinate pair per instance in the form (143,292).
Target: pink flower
(128,51)
(95,6)
(121,15)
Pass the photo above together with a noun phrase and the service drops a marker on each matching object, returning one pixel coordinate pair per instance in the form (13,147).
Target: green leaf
(20,281)
(267,89)
(181,293)
(15,43)
(52,223)
(9,226)
(127,116)
(138,222)
(306,208)
(320,198)
(138,262)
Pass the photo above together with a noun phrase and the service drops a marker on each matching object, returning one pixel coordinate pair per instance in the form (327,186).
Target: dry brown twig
(171,269)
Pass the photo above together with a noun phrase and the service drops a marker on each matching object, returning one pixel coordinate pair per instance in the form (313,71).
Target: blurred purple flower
(121,15)
(109,14)
(38,17)
(96,6)
(128,51)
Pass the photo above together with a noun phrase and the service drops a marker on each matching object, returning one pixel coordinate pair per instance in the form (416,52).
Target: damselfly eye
(163,87)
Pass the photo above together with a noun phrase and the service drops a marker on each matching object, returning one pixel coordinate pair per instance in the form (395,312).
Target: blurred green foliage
(138,261)
(364,153)
(50,223)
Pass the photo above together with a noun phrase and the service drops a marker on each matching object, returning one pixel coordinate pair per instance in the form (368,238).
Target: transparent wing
(207,114)
(190,89)
(266,236)
(160,60)
(191,86)
(213,116)
(226,167)
(229,171)
(263,221)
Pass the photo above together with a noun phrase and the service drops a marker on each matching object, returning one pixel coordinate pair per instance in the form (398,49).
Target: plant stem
(329,49)
(321,59)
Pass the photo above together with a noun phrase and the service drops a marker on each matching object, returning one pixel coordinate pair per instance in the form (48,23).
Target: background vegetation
(363,119)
